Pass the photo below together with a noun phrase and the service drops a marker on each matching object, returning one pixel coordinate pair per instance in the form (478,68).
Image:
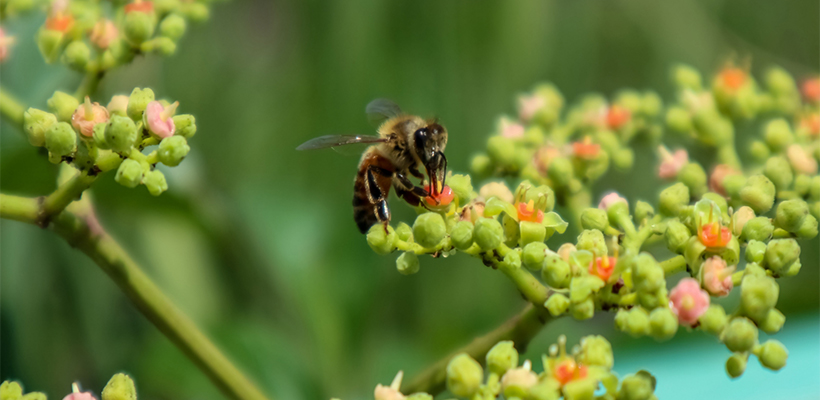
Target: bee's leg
(405,183)
(415,172)
(375,194)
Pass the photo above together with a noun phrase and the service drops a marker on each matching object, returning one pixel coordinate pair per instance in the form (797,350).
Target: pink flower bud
(811,90)
(565,250)
(544,156)
(76,394)
(390,392)
(496,189)
(158,118)
(103,33)
(510,129)
(688,301)
(610,199)
(87,115)
(528,106)
(800,160)
(671,163)
(717,277)
(719,173)
(5,45)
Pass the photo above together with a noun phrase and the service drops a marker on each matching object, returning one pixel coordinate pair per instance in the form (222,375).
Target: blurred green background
(256,242)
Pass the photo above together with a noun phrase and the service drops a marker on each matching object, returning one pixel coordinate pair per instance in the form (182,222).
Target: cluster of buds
(96,138)
(89,36)
(119,387)
(569,152)
(733,228)
(584,374)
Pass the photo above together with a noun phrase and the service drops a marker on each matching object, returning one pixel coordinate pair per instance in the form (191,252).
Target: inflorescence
(119,387)
(737,226)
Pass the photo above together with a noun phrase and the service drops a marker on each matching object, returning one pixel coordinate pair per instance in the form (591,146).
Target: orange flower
(443,199)
(603,267)
(586,149)
(812,124)
(811,90)
(528,212)
(714,235)
(617,116)
(733,77)
(568,370)
(139,6)
(59,22)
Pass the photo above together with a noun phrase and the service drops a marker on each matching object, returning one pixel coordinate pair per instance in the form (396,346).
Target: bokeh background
(255,240)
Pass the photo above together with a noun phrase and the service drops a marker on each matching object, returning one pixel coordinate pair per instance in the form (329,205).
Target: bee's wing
(323,142)
(380,110)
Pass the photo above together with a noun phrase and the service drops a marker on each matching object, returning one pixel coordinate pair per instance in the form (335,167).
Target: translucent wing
(380,110)
(323,142)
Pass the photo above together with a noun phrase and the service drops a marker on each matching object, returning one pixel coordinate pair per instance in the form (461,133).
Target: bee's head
(429,143)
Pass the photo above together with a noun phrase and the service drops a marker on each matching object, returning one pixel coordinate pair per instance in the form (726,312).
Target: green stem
(529,286)
(635,241)
(520,329)
(146,296)
(728,155)
(89,85)
(673,265)
(67,192)
(11,109)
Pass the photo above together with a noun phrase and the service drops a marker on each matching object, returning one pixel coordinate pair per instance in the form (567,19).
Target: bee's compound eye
(420,139)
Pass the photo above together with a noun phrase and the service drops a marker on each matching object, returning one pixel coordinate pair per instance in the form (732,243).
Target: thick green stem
(673,265)
(633,242)
(520,329)
(529,286)
(64,195)
(139,288)
(11,109)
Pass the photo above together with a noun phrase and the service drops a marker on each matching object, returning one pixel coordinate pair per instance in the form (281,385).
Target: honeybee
(404,144)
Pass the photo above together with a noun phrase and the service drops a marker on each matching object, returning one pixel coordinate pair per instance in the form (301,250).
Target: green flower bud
(773,355)
(60,139)
(85,156)
(501,150)
(76,55)
(139,27)
(778,134)
(172,26)
(556,272)
(36,123)
(676,235)
(592,241)
(63,105)
(596,350)
(10,390)
(781,254)
(579,389)
(673,199)
(808,230)
(172,150)
(464,375)
(534,254)
(780,82)
(488,233)
(481,165)
(502,357)
(636,323)
(583,310)
(643,210)
(712,128)
(34,396)
(740,218)
(121,134)
(98,136)
(802,184)
(640,386)
(160,45)
(758,193)
(713,320)
(647,274)
(719,200)
(773,322)
(50,43)
(758,295)
(759,228)
(623,158)
(185,125)
(196,12)
(759,151)
(678,119)
(120,387)
(139,100)
(511,261)
(532,232)
(694,177)
(408,263)
(651,104)
(814,188)
(594,218)
(560,171)
(404,232)
(557,304)
(791,214)
(419,396)
(740,335)
(129,173)
(663,324)
(429,229)
(779,171)
(462,235)
(736,364)
(733,184)
(755,251)
(462,187)
(380,241)
(155,182)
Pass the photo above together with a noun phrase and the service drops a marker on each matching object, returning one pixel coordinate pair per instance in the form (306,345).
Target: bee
(404,144)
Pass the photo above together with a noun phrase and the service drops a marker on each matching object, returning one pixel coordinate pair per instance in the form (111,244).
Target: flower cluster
(736,227)
(576,376)
(119,387)
(96,138)
(88,36)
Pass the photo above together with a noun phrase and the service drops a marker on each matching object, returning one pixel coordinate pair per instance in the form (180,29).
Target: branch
(67,192)
(83,233)
(520,329)
(673,265)
(11,109)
